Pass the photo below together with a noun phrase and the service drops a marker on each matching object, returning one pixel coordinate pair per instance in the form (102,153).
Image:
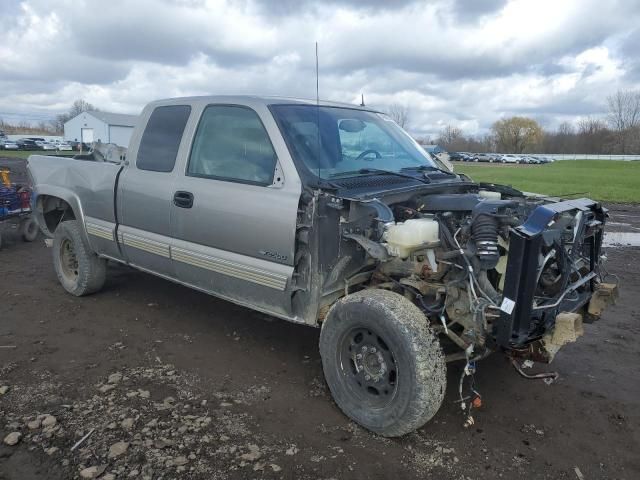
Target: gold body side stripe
(207,262)
(233,269)
(145,244)
(99,231)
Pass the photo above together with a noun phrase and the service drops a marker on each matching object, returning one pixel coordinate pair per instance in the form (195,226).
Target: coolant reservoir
(489,194)
(403,238)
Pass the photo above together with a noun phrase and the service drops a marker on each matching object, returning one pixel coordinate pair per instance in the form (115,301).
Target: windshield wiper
(422,168)
(379,171)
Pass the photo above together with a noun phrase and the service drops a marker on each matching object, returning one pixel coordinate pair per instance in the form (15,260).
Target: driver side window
(232,144)
(371,137)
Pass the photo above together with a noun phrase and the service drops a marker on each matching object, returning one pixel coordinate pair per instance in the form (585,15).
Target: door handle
(183,199)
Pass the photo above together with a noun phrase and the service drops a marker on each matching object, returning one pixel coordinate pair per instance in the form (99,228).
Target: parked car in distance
(485,157)
(508,159)
(63,147)
(512,158)
(461,156)
(48,146)
(28,144)
(8,145)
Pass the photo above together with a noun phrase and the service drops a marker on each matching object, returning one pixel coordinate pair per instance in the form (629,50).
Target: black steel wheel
(369,366)
(384,366)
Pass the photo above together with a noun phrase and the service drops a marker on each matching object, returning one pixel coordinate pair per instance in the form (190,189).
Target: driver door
(235,236)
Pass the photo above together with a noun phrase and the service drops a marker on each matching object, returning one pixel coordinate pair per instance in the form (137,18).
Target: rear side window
(161,138)
(232,144)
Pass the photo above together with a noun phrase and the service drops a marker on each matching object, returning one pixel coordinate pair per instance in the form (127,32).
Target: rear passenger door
(146,188)
(234,213)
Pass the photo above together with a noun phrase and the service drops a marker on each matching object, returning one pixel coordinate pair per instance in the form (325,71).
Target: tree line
(51,127)
(616,133)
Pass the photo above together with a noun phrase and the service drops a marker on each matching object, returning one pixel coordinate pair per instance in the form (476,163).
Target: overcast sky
(460,62)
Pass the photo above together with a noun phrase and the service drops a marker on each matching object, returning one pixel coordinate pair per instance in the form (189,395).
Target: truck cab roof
(254,100)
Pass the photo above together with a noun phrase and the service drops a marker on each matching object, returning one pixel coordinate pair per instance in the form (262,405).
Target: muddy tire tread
(429,369)
(92,270)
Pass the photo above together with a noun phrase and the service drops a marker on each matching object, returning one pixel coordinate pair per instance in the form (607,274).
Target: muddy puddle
(622,239)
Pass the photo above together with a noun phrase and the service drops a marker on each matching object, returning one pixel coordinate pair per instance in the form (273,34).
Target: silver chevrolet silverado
(331,215)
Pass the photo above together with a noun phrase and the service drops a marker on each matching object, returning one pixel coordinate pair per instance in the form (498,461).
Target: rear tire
(29,229)
(79,269)
(383,364)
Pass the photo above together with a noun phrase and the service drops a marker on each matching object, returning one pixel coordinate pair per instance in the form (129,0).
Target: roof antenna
(317,79)
(362,102)
(318,113)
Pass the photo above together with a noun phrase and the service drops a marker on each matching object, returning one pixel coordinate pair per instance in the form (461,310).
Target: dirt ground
(172,383)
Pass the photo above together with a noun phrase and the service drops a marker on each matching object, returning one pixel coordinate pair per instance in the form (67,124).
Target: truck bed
(87,186)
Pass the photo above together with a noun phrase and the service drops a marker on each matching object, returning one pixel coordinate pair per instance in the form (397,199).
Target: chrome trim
(232,269)
(145,244)
(99,231)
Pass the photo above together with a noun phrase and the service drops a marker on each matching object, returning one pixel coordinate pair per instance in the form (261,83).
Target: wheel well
(53,210)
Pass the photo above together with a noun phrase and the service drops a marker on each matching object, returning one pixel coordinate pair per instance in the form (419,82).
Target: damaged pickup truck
(332,216)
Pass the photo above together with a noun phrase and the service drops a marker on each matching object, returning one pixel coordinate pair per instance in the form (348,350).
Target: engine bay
(490,267)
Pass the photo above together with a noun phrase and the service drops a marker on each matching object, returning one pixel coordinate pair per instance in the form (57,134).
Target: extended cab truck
(332,216)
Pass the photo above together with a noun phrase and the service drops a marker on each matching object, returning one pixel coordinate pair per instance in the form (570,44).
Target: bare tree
(624,118)
(449,134)
(400,114)
(590,125)
(593,136)
(76,109)
(80,106)
(566,138)
(24,125)
(488,143)
(451,138)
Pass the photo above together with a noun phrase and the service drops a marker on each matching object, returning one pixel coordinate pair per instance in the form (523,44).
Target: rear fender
(48,198)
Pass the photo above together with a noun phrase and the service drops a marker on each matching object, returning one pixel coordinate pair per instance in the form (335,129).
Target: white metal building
(103,126)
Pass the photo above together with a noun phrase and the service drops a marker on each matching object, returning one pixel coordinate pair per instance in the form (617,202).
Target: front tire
(80,271)
(383,364)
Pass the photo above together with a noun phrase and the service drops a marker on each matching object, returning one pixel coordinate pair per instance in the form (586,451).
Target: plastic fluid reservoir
(404,237)
(490,194)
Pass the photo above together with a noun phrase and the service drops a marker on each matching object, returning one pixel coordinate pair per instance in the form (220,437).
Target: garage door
(120,135)
(87,135)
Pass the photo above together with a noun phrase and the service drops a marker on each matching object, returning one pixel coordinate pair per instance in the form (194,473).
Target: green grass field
(26,153)
(606,180)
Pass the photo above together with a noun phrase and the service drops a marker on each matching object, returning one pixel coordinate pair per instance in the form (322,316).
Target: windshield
(350,140)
